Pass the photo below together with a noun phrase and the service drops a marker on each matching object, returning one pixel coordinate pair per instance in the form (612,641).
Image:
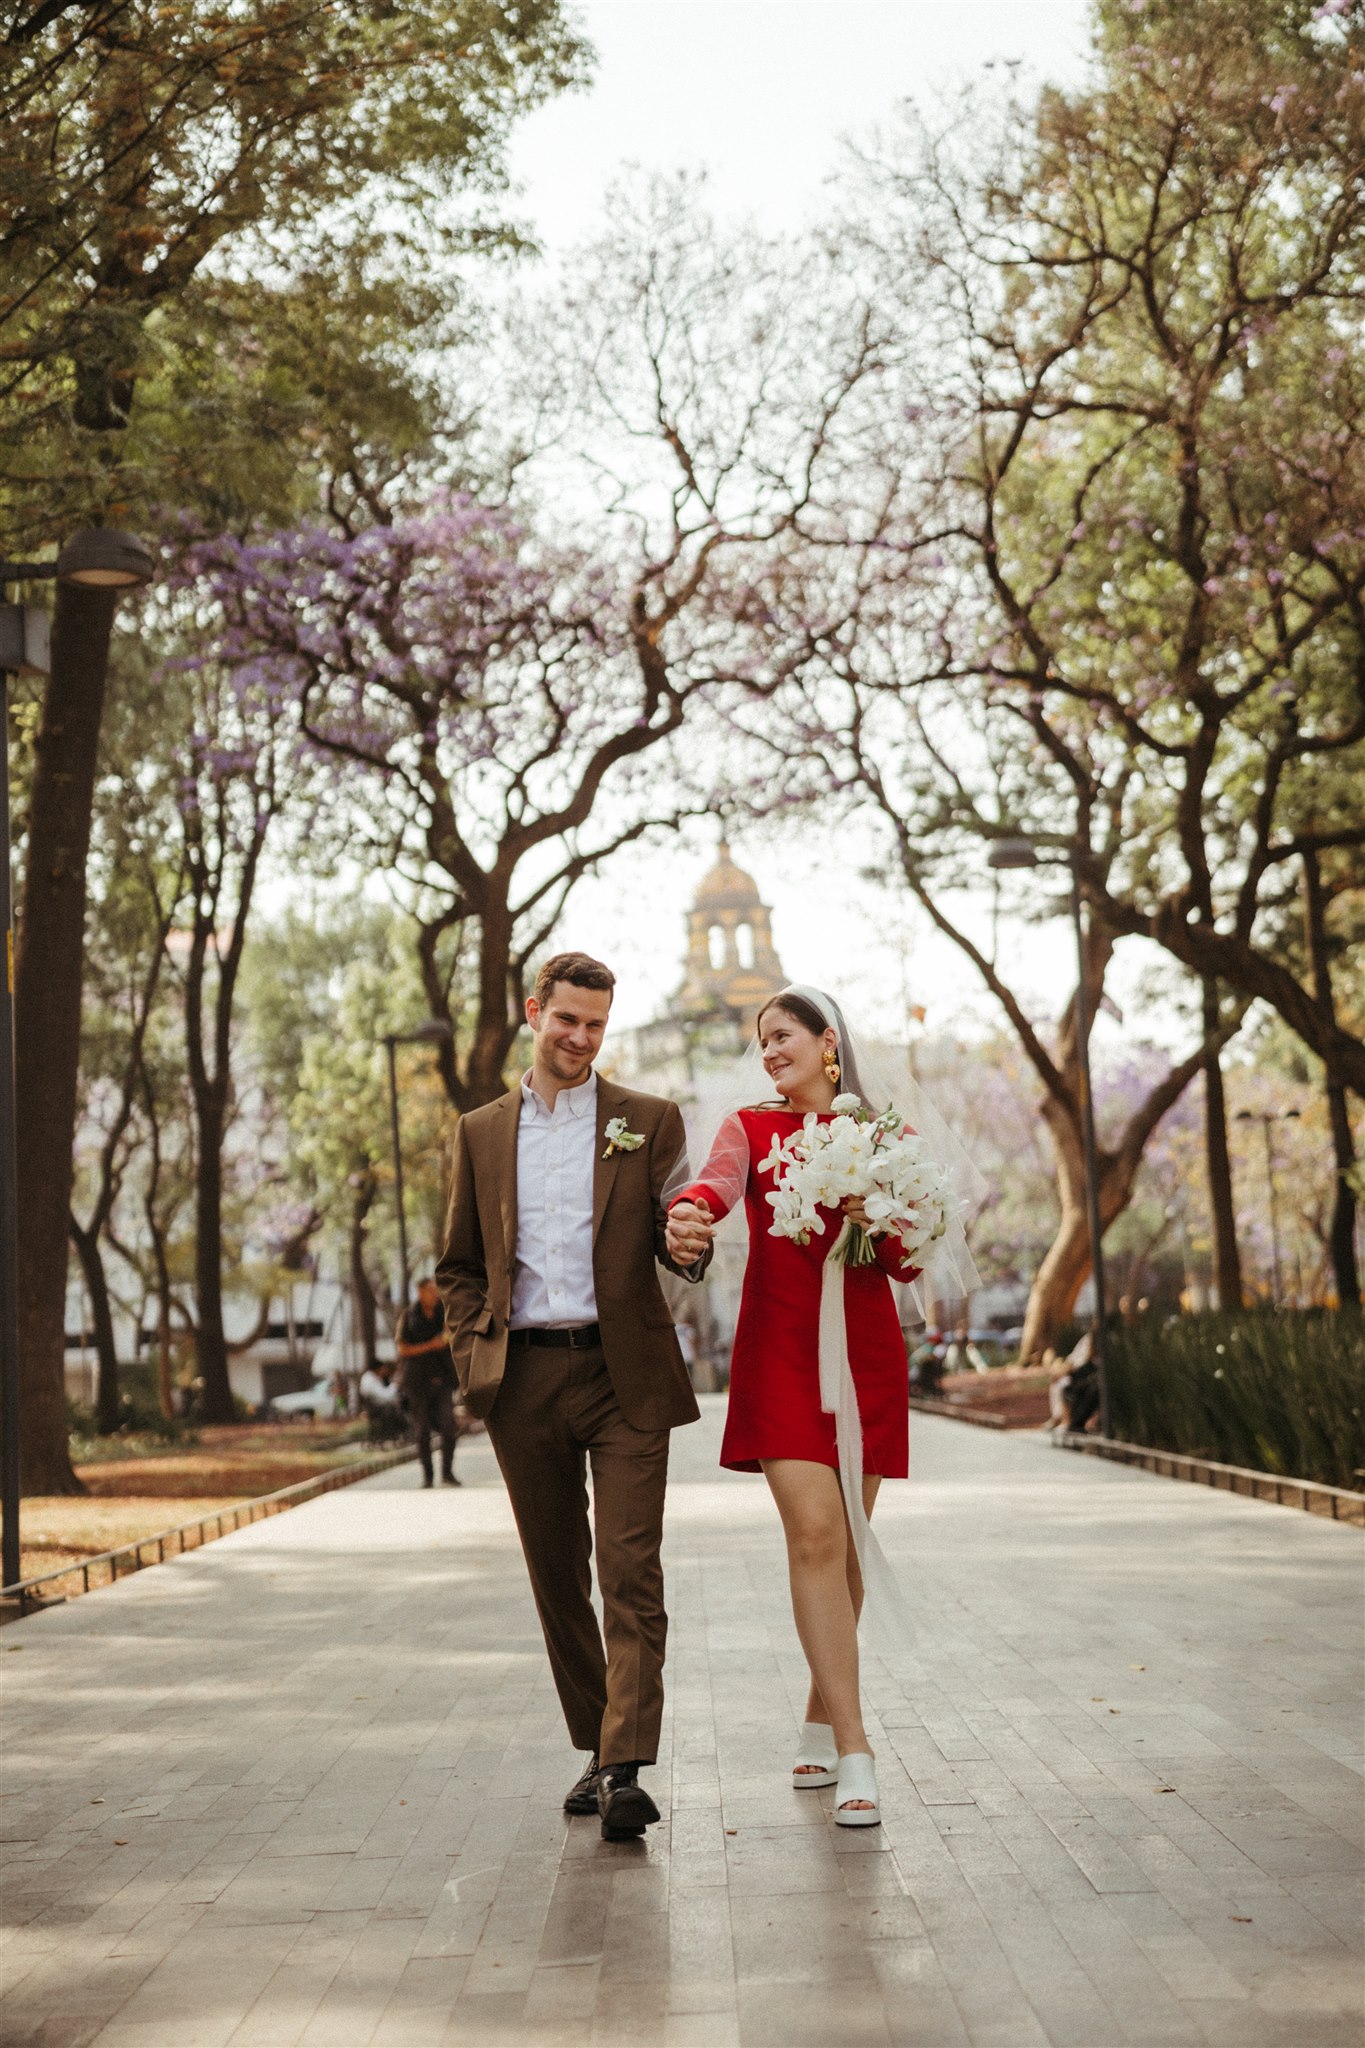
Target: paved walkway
(301,1789)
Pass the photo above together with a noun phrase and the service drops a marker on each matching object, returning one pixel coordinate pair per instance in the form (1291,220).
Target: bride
(824,1458)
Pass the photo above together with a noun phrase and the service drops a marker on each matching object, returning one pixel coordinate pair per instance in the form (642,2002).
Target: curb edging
(24,1595)
(1337,1503)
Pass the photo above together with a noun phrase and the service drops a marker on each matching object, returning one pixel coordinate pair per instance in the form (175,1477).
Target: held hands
(689,1231)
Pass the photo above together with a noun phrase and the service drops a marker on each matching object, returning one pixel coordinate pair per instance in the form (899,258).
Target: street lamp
(97,558)
(1265,1118)
(433,1031)
(1022,853)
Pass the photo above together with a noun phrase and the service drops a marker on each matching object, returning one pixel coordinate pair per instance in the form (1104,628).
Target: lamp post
(431,1032)
(1022,853)
(94,559)
(1265,1118)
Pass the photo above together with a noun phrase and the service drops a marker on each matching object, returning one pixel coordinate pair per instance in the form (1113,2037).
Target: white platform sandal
(818,1754)
(857,1779)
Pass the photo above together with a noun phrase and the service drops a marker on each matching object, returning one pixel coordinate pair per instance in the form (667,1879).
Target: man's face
(569,1027)
(427,1295)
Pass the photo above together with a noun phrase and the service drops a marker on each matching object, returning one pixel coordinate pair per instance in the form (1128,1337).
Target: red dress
(775,1407)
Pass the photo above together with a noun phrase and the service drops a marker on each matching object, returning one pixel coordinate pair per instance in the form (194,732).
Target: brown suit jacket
(474,1272)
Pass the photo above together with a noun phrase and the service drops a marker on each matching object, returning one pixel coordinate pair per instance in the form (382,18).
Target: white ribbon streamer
(886,1613)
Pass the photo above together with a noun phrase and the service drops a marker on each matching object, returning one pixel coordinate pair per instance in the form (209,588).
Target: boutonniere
(619,1139)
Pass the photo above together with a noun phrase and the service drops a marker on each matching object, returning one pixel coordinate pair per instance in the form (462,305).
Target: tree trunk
(1227,1259)
(1066,1263)
(210,1336)
(1342,1239)
(47,1017)
(1345,1268)
(364,1186)
(108,1409)
(164,1392)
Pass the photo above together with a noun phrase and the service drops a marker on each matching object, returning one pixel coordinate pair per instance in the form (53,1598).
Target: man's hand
(689,1231)
(437,1343)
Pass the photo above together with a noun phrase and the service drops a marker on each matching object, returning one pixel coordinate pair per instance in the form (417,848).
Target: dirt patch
(189,1475)
(219,1461)
(137,1487)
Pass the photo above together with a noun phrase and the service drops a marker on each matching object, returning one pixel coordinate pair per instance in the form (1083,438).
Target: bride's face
(792,1056)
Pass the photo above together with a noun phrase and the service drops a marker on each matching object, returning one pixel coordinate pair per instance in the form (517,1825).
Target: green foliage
(1277,1393)
(142,1425)
(320,990)
(188,192)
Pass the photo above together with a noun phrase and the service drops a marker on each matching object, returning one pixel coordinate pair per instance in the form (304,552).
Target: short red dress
(775,1407)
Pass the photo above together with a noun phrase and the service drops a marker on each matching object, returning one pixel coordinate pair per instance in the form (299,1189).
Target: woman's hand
(689,1231)
(856,1212)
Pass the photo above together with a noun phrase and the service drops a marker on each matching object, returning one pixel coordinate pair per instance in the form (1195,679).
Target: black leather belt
(581,1339)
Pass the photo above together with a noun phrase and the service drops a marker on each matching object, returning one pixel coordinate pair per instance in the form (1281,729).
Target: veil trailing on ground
(719,1148)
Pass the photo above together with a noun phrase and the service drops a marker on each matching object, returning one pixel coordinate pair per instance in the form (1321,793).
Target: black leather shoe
(582,1798)
(626,1808)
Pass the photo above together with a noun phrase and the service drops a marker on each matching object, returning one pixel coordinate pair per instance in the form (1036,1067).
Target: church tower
(731,961)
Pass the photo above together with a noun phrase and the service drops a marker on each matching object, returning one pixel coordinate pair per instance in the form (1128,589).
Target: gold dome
(727,887)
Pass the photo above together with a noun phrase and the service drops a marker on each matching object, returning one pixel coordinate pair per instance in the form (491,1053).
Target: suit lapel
(610,1103)
(505,1170)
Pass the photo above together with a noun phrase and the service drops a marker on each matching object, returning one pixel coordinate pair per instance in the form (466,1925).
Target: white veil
(880,1074)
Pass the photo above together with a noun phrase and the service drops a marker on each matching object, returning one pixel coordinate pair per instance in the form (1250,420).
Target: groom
(563,1341)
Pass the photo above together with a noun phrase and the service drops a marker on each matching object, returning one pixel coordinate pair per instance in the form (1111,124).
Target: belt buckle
(580,1340)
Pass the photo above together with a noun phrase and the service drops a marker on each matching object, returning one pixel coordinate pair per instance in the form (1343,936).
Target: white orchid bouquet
(873,1158)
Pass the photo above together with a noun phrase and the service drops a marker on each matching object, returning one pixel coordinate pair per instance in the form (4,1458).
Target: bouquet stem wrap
(886,1612)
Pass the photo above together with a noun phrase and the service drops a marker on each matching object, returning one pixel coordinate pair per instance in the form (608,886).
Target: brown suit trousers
(555,1417)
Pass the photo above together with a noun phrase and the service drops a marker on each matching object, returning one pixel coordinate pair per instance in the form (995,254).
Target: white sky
(762,92)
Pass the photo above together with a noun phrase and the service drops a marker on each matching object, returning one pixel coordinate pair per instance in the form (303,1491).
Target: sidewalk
(301,1789)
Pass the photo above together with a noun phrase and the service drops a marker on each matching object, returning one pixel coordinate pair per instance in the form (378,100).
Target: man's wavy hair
(580,970)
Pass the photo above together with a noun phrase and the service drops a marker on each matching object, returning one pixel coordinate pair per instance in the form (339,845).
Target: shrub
(139,1409)
(1279,1392)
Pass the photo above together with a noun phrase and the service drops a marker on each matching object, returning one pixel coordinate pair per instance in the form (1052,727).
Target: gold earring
(831,1065)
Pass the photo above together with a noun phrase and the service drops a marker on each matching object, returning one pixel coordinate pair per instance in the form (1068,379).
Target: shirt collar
(579,1101)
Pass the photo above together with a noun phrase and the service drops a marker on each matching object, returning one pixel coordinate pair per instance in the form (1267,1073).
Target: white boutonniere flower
(619,1139)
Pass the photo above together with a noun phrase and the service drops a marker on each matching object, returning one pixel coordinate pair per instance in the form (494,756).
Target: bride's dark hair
(796,1006)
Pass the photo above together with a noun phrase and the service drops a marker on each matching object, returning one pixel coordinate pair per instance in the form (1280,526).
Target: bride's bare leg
(812,1510)
(815,1705)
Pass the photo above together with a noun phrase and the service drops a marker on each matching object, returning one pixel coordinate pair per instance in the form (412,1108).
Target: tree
(1319,890)
(503,698)
(47,1020)
(340,1116)
(519,697)
(931,842)
(873,727)
(173,167)
(182,189)
(1150,461)
(134,915)
(320,988)
(242,781)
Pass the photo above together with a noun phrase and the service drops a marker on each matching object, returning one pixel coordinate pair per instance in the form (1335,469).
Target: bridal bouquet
(902,1187)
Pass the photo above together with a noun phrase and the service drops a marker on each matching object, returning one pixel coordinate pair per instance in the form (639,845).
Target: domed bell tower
(732,964)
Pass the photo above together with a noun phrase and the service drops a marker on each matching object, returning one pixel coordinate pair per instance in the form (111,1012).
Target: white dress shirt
(552,1283)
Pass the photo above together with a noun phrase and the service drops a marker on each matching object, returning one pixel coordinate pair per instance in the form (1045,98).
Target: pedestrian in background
(426,1377)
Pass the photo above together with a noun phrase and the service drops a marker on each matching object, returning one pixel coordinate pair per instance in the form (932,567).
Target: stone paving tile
(304,1789)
